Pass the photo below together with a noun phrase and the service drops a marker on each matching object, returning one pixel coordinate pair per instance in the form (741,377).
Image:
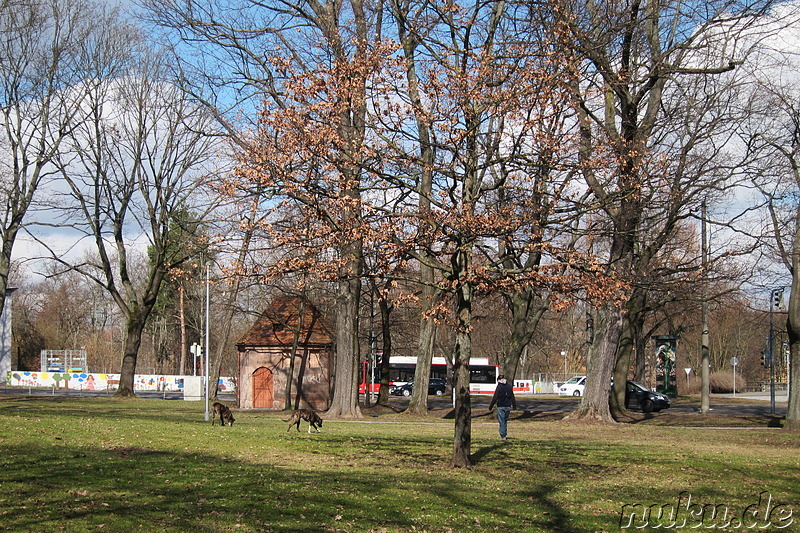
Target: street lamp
(564,355)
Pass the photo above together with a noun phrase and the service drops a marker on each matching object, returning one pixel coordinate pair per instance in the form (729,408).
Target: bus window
(401,373)
(439,371)
(482,374)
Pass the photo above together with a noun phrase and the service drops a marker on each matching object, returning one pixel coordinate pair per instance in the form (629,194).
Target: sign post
(196,351)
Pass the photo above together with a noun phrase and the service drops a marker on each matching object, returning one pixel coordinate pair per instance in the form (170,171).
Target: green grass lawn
(152,465)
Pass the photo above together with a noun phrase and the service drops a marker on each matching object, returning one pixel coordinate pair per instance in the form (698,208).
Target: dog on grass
(223,412)
(308,415)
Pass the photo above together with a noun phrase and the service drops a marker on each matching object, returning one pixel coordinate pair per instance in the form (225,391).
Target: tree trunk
(5,264)
(427,327)
(346,362)
(600,366)
(524,319)
(462,440)
(792,422)
(418,404)
(640,359)
(287,399)
(182,320)
(705,343)
(705,363)
(793,328)
(351,130)
(133,340)
(386,335)
(627,345)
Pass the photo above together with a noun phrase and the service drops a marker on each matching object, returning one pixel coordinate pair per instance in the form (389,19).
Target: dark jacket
(503,396)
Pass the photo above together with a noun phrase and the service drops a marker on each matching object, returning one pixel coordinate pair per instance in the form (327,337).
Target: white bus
(482,375)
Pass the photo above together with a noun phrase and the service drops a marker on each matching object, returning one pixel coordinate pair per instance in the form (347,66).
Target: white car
(573,387)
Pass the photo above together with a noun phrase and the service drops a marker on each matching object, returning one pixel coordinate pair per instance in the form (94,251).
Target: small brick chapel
(289,324)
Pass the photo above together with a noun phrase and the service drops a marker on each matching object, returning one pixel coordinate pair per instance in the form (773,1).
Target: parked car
(635,394)
(573,387)
(436,386)
(647,400)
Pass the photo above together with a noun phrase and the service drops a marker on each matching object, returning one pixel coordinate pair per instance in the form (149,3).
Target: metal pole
(771,353)
(207,342)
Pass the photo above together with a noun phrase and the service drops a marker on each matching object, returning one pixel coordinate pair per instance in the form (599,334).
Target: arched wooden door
(262,388)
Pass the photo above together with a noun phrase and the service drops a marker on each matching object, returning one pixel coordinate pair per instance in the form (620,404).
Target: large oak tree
(640,155)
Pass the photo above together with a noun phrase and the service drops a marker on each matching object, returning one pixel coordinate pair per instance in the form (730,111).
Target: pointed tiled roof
(278,324)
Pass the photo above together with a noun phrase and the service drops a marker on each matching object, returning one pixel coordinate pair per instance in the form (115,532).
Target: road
(720,404)
(741,404)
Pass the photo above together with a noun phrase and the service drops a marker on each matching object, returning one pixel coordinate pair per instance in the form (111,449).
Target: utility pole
(705,359)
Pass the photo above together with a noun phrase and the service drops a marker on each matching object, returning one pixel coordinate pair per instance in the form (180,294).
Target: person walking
(504,398)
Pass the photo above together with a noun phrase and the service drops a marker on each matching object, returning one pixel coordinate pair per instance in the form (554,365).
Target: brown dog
(309,416)
(224,413)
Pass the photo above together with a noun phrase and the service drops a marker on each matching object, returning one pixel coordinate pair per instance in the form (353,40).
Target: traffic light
(765,360)
(777,298)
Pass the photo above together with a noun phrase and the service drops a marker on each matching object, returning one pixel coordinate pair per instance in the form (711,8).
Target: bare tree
(409,33)
(772,137)
(138,165)
(239,240)
(46,46)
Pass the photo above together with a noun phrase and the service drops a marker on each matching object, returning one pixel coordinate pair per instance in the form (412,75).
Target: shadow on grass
(776,421)
(483,452)
(134,488)
(698,419)
(378,410)
(484,415)
(553,517)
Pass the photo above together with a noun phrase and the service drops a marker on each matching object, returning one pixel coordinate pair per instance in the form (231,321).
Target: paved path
(781,396)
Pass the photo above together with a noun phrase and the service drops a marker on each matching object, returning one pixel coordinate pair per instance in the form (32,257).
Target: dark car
(647,400)
(436,386)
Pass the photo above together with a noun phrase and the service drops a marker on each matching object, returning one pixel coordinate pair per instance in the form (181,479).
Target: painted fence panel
(100,381)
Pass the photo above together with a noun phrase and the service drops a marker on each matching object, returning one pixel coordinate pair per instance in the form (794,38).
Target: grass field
(152,465)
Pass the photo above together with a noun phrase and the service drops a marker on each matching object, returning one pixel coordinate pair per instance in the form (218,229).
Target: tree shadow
(200,490)
(554,518)
(483,452)
(378,410)
(775,422)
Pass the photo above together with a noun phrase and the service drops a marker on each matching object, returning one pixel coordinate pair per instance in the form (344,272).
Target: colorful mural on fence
(98,381)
